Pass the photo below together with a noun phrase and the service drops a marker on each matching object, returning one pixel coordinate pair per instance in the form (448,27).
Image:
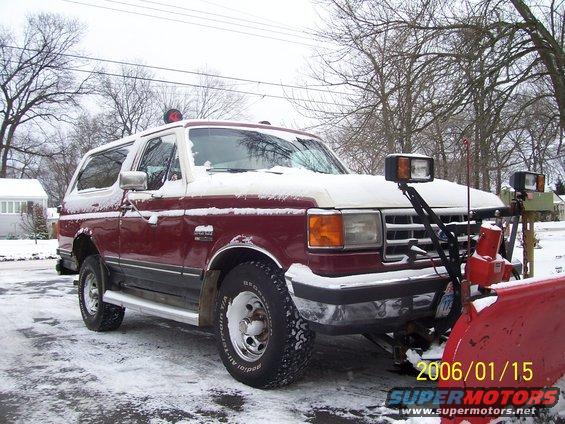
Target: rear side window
(160,161)
(102,169)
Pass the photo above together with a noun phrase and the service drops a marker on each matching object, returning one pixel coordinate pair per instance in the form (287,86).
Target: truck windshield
(238,150)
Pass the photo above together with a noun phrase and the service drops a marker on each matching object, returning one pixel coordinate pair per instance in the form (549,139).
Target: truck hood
(333,191)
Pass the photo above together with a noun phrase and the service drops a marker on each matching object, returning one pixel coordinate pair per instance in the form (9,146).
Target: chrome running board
(149,307)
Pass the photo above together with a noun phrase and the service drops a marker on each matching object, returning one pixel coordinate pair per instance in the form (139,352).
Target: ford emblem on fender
(204,233)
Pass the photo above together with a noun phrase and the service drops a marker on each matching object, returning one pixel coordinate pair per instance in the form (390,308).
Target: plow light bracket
(406,168)
(527,181)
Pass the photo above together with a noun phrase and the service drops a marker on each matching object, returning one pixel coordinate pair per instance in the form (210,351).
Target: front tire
(96,314)
(262,339)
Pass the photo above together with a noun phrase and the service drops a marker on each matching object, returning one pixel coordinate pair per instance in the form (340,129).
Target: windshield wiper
(234,170)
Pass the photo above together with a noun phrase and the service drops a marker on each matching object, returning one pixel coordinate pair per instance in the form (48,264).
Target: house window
(16,206)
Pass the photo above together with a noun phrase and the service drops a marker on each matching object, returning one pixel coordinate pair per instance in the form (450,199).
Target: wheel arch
(222,262)
(83,246)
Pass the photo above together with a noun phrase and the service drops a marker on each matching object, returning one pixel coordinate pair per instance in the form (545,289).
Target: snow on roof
(557,199)
(24,189)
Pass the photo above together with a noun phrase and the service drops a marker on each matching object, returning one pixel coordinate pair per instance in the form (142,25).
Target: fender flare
(211,278)
(81,234)
(251,246)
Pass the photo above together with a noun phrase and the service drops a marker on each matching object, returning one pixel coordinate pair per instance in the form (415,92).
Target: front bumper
(369,303)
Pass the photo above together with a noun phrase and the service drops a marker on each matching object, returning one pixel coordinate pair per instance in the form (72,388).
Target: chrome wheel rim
(90,294)
(248,326)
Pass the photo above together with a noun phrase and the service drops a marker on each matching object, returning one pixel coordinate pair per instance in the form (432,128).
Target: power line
(186,84)
(285,27)
(190,23)
(156,9)
(240,12)
(199,73)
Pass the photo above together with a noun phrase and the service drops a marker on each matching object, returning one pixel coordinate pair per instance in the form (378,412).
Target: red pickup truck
(258,231)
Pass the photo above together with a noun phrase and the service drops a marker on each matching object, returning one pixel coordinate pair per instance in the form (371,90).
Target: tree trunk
(550,53)
(7,145)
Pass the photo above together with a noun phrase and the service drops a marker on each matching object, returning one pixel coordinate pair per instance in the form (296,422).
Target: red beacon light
(172,115)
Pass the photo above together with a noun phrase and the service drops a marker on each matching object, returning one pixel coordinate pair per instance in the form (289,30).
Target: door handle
(126,207)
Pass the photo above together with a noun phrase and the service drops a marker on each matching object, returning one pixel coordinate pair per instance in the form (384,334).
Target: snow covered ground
(52,369)
(549,258)
(21,250)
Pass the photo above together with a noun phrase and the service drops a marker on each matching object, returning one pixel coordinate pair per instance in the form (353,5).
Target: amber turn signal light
(540,183)
(325,230)
(403,168)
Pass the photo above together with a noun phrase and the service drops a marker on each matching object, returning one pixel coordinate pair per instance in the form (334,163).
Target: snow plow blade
(523,324)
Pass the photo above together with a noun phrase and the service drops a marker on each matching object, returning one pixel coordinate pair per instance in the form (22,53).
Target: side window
(174,170)
(160,161)
(102,169)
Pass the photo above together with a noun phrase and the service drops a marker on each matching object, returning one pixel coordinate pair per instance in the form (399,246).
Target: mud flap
(523,324)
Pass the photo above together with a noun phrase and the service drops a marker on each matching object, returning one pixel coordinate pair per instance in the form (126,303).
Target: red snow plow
(505,339)
(514,338)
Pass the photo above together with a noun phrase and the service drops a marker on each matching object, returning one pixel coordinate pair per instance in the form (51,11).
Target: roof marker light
(172,115)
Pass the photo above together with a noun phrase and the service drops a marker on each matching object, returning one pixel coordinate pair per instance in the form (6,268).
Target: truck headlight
(348,229)
(362,229)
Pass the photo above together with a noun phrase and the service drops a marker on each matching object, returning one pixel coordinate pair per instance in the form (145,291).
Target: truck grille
(401,225)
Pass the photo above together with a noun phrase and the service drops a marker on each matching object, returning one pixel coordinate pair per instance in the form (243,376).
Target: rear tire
(262,339)
(96,314)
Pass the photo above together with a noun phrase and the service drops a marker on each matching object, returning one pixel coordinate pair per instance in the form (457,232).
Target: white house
(15,196)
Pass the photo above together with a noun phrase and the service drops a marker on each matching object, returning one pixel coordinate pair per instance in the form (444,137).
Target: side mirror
(133,180)
(403,168)
(527,181)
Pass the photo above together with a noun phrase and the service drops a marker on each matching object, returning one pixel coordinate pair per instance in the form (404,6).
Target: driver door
(152,232)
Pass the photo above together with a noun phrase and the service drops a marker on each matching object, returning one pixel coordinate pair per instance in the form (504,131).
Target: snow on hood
(333,191)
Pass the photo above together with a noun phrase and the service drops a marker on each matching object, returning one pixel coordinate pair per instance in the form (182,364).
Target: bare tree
(129,100)
(209,97)
(66,149)
(422,75)
(549,42)
(36,78)
(397,87)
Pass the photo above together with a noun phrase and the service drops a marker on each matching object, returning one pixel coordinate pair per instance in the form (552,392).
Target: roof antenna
(465,288)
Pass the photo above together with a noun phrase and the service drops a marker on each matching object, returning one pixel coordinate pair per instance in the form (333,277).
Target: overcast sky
(112,34)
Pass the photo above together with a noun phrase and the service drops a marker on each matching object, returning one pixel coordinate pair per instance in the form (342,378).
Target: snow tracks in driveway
(52,369)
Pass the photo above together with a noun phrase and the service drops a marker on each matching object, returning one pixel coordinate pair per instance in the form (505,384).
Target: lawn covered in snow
(20,250)
(549,257)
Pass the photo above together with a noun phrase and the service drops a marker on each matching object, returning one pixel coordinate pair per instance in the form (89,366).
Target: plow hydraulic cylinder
(486,266)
